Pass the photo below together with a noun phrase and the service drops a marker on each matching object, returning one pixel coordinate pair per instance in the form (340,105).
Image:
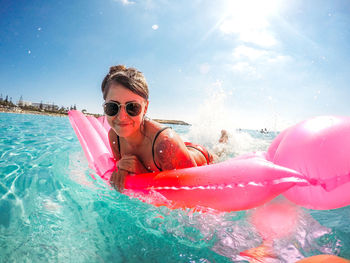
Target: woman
(139,144)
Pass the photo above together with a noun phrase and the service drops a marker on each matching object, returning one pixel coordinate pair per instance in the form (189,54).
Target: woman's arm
(118,176)
(170,152)
(126,164)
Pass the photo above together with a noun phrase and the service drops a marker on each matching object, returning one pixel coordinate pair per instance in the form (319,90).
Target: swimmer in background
(223,137)
(264,131)
(140,145)
(221,149)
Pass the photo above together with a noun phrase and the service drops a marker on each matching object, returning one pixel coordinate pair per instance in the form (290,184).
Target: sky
(253,63)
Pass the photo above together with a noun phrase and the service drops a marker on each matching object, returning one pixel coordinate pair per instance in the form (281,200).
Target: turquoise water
(52,210)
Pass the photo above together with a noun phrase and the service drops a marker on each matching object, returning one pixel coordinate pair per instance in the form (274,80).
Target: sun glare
(250,20)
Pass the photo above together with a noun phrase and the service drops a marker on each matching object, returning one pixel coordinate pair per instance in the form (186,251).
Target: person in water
(223,137)
(140,145)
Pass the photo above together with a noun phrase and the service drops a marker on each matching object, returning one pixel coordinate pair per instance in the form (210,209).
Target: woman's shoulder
(170,152)
(153,126)
(166,140)
(168,149)
(157,131)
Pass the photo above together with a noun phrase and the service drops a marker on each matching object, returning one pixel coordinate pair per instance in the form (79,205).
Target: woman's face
(122,123)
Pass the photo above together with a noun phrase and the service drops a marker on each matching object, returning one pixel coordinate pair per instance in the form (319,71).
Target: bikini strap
(154,140)
(120,154)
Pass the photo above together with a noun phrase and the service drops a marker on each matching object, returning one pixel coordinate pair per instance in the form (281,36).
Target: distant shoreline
(171,122)
(21,111)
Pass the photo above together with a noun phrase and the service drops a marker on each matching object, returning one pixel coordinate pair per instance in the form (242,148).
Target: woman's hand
(131,164)
(117,179)
(128,164)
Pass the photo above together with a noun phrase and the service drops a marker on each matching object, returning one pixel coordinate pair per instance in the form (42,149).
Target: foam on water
(53,210)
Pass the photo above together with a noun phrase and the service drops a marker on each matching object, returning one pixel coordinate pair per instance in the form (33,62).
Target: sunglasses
(112,108)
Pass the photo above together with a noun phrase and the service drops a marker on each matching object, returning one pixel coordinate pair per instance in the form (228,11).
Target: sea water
(53,208)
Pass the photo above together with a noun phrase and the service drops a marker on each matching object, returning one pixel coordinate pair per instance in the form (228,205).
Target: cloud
(248,52)
(256,33)
(255,62)
(244,67)
(258,55)
(125,2)
(279,59)
(262,38)
(155,27)
(257,51)
(249,21)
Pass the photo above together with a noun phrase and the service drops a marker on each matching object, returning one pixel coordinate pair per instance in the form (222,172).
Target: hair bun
(117,68)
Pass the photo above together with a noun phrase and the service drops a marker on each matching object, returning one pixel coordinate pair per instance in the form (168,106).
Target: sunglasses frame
(124,105)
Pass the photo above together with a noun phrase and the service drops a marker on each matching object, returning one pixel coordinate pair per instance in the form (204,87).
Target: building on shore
(45,106)
(24,103)
(42,106)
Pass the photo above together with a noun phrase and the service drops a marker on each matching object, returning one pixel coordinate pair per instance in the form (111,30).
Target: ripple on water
(5,208)
(20,158)
(8,170)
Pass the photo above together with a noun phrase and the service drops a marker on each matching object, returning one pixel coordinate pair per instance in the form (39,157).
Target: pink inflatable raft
(308,163)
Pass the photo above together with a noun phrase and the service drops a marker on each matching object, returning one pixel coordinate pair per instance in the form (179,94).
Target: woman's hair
(130,78)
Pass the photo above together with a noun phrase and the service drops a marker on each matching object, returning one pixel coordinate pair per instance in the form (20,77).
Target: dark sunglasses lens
(111,109)
(133,108)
